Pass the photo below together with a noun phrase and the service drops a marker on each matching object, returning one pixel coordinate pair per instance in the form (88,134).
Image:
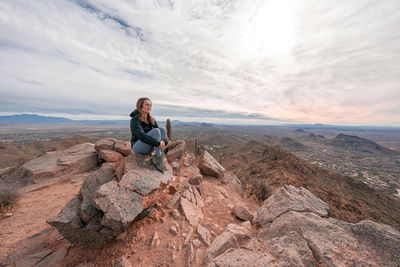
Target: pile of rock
(294,230)
(112,197)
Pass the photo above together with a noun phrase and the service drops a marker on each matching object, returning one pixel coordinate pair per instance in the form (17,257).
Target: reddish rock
(122,262)
(233,235)
(110,155)
(204,234)
(242,213)
(123,147)
(175,151)
(191,212)
(208,165)
(105,144)
(77,159)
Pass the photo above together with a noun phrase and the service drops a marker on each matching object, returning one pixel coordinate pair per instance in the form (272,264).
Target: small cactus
(197,147)
(168,126)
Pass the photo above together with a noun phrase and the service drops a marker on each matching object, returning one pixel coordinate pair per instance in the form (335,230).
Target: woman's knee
(156,133)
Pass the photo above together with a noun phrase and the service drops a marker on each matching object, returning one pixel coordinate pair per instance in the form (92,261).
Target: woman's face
(146,106)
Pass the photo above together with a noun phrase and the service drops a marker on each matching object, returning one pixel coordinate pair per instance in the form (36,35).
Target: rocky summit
(127,213)
(106,205)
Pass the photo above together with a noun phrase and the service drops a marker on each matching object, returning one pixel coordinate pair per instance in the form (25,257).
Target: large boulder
(106,207)
(290,198)
(208,165)
(296,231)
(77,159)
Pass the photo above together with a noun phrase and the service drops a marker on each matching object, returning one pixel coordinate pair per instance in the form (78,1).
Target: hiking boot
(159,162)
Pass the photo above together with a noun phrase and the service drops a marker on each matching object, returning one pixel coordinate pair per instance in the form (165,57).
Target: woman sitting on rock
(146,135)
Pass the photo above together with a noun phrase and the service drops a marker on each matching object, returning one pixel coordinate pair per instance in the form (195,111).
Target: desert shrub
(255,187)
(8,196)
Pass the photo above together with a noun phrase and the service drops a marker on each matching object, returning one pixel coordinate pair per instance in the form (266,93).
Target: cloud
(305,61)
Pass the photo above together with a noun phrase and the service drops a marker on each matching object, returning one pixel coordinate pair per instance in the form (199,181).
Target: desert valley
(85,200)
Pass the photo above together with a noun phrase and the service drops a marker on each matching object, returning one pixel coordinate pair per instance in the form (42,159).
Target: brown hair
(139,106)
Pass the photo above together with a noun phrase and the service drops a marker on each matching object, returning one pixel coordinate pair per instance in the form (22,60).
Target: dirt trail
(31,212)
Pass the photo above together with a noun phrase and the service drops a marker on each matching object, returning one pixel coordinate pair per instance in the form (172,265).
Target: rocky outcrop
(105,206)
(290,198)
(299,234)
(208,165)
(77,159)
(295,231)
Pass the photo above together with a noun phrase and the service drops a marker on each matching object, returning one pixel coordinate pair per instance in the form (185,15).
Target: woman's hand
(162,144)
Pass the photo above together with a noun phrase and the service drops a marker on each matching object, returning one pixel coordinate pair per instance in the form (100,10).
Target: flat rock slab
(77,159)
(290,198)
(142,176)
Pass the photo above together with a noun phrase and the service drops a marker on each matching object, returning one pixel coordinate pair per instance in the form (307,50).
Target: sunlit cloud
(262,61)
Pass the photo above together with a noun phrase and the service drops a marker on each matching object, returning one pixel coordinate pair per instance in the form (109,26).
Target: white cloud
(306,61)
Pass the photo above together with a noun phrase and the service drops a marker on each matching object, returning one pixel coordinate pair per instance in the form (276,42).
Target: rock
(233,235)
(220,244)
(290,198)
(53,259)
(123,147)
(175,214)
(142,176)
(175,151)
(230,178)
(70,225)
(242,213)
(222,191)
(120,205)
(383,239)
(176,167)
(173,230)
(189,236)
(191,212)
(8,214)
(32,260)
(122,262)
(303,238)
(105,144)
(77,159)
(188,160)
(173,200)
(110,155)
(204,235)
(243,257)
(208,165)
(155,241)
(89,187)
(116,204)
(196,243)
(192,194)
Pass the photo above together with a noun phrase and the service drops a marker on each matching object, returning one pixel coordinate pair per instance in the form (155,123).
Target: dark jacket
(139,129)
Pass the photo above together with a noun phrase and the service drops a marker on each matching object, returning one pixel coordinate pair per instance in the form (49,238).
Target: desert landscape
(210,209)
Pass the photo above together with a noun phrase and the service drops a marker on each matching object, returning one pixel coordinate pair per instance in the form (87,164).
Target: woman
(146,135)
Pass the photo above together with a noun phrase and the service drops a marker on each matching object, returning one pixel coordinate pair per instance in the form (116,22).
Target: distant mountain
(37,119)
(359,144)
(31,119)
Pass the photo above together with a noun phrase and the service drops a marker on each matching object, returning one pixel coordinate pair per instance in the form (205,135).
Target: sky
(223,61)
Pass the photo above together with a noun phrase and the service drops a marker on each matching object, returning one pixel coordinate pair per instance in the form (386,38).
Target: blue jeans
(141,147)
